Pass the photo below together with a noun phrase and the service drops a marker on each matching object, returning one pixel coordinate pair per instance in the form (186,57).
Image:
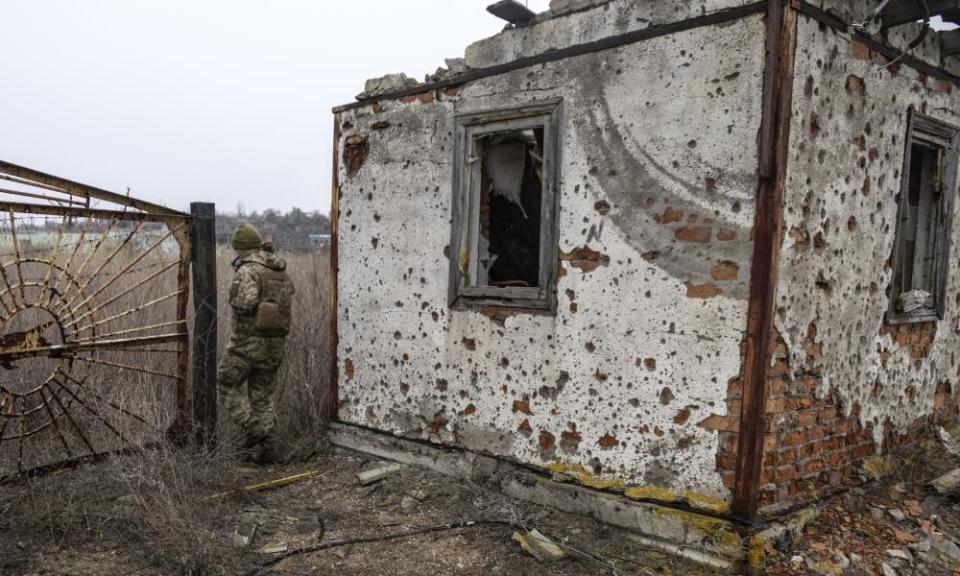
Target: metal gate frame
(66,198)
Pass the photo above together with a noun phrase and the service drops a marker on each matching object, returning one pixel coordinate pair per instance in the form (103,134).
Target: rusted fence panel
(94,341)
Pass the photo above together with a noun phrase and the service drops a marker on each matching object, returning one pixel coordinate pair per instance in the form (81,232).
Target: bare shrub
(169,510)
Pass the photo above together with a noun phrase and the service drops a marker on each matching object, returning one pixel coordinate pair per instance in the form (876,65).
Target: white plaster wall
(629,357)
(563,28)
(848,196)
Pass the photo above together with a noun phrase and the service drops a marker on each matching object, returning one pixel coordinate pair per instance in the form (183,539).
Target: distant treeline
(295,230)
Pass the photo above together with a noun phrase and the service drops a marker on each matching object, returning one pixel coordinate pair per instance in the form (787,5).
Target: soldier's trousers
(250,409)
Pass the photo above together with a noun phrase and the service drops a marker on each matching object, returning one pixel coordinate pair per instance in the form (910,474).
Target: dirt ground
(152,514)
(329,508)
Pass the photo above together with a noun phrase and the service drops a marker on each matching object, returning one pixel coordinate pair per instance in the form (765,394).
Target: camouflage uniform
(252,356)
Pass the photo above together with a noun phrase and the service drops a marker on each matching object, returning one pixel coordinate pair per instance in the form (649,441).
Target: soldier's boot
(270,450)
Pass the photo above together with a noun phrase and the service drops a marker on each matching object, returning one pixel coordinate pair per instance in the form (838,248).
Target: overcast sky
(208,100)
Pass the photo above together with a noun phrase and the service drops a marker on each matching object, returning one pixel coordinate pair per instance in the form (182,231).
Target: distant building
(320,240)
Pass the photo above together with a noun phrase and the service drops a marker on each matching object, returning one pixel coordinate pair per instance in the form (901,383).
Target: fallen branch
(270,485)
(383,538)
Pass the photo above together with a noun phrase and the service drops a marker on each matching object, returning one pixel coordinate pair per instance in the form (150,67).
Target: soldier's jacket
(260,277)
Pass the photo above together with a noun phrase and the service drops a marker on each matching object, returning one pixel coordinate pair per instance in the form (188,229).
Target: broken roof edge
(391,85)
(804,8)
(606,43)
(40,179)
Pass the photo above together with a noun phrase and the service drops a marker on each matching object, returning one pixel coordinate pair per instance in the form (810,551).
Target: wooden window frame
(937,133)
(464,240)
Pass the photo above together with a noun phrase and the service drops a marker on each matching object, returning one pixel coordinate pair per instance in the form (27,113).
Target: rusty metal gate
(94,342)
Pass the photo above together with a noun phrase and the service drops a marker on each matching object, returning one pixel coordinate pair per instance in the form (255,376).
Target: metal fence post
(204,264)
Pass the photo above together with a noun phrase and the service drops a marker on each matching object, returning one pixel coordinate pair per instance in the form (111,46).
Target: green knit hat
(246,237)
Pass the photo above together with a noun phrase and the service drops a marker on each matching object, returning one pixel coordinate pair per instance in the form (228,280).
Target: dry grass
(155,499)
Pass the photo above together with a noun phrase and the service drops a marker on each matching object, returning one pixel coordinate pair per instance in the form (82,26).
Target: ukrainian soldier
(260,300)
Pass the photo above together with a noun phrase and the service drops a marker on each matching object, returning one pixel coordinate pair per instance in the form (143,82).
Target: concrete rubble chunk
(900,555)
(896,514)
(888,570)
(386,84)
(539,546)
(949,441)
(946,549)
(560,7)
(376,474)
(946,483)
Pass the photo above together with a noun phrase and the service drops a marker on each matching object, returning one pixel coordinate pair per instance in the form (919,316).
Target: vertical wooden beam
(767,236)
(179,430)
(333,402)
(203,240)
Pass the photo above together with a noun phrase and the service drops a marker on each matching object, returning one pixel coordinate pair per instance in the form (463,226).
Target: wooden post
(204,264)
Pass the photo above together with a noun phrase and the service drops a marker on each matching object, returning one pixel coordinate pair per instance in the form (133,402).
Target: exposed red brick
(525,427)
(570,441)
(856,85)
(721,423)
(669,216)
(522,406)
(726,235)
(547,440)
(725,271)
(424,98)
(608,441)
(585,258)
(698,234)
(703,291)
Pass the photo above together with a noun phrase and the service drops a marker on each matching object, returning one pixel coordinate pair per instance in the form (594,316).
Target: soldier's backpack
(272,318)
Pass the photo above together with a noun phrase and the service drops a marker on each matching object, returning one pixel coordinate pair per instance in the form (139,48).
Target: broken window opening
(511,198)
(924,222)
(504,228)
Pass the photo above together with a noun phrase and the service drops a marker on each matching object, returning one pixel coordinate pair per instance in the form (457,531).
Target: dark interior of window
(511,195)
(915,279)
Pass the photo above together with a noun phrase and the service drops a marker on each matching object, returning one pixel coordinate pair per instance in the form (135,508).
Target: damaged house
(684,256)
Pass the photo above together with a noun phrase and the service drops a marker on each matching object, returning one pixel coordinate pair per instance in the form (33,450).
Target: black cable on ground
(383,538)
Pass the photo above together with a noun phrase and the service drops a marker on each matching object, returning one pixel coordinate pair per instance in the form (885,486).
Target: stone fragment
(888,570)
(539,546)
(244,534)
(375,475)
(277,548)
(408,504)
(900,555)
(946,483)
(877,513)
(421,494)
(896,514)
(902,537)
(342,552)
(390,500)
